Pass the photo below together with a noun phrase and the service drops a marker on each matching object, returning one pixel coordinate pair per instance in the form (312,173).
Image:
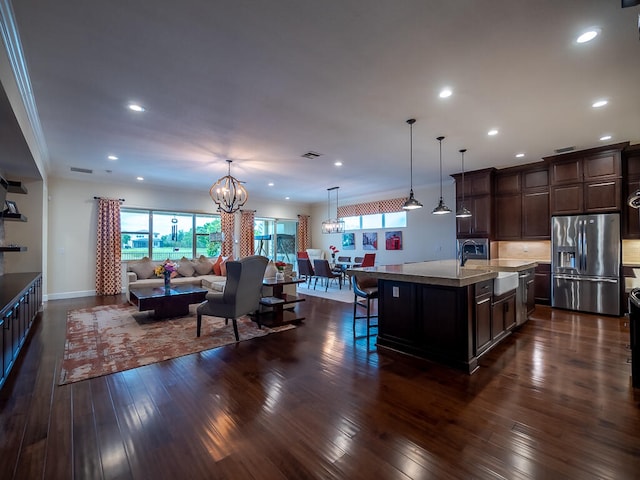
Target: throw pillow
(203,266)
(223,265)
(185,267)
(216,266)
(142,268)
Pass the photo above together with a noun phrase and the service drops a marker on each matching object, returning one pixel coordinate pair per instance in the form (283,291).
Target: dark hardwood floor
(553,401)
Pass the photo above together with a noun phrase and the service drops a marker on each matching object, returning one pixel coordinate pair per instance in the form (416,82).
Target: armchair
(241,293)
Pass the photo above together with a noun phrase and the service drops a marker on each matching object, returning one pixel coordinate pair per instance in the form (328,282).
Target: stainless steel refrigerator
(585,263)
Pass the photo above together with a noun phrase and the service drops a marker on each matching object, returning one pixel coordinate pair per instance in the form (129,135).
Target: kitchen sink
(505,282)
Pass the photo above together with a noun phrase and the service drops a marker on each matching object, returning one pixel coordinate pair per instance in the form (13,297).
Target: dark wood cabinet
(478,198)
(522,203)
(399,302)
(482,314)
(589,181)
(503,314)
(542,284)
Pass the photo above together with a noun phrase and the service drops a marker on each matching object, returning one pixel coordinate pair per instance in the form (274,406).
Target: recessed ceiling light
(112,157)
(338,163)
(588,35)
(520,155)
(136,107)
(605,138)
(492,132)
(140,179)
(599,103)
(286,198)
(270,184)
(445,93)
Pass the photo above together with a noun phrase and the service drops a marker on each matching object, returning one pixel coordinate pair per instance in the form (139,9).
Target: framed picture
(348,241)
(370,241)
(393,240)
(11,206)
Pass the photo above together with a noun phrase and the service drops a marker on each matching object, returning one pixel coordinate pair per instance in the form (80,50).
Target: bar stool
(367,288)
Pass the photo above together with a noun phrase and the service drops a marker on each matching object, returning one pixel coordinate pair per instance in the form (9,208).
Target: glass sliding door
(276,239)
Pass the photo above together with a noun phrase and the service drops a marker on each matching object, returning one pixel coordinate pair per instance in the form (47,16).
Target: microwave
(476,248)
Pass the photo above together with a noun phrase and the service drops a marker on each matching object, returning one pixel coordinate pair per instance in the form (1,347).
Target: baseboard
(65,295)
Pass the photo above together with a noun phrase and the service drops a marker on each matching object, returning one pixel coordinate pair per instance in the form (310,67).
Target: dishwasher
(525,284)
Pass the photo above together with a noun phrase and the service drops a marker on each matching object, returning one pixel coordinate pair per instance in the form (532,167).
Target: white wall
(73,222)
(426,236)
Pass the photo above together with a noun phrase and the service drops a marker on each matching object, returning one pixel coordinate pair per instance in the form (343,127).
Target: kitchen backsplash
(631,252)
(532,250)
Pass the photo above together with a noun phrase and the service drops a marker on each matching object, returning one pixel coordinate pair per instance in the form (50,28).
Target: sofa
(203,272)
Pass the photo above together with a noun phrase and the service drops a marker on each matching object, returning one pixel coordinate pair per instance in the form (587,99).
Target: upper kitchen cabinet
(522,203)
(631,170)
(478,198)
(588,181)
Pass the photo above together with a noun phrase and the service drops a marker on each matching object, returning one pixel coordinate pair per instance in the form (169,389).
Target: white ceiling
(262,83)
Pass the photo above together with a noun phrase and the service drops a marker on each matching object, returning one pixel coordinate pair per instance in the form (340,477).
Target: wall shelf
(13,249)
(14,217)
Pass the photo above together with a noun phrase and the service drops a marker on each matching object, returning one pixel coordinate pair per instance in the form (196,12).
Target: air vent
(81,170)
(311,155)
(565,149)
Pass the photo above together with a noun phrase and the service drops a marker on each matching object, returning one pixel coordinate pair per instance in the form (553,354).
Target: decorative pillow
(223,265)
(203,266)
(185,267)
(216,266)
(142,268)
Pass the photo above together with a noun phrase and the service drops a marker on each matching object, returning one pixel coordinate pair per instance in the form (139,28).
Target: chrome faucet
(463,258)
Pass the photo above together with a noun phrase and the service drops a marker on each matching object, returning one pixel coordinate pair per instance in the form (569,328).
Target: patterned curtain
(304,235)
(108,277)
(370,208)
(247,244)
(228,226)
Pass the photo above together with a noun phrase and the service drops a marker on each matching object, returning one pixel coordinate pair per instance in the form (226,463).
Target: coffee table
(166,304)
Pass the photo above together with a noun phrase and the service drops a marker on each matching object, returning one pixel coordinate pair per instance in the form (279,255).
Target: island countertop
(438,272)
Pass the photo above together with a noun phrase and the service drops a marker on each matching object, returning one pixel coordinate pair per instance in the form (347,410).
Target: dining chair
(369,260)
(305,270)
(367,288)
(357,262)
(342,264)
(322,269)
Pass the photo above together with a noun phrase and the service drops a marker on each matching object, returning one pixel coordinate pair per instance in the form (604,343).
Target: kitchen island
(441,311)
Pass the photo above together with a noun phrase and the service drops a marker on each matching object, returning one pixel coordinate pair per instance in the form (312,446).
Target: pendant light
(441,209)
(411,203)
(228,192)
(335,224)
(463,212)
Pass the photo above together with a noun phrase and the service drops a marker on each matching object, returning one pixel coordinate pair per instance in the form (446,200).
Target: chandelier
(332,225)
(228,193)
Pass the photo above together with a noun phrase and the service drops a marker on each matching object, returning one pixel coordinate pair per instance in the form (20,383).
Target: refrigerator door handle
(605,280)
(584,245)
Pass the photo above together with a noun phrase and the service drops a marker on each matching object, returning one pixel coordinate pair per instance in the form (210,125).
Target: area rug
(333,293)
(111,338)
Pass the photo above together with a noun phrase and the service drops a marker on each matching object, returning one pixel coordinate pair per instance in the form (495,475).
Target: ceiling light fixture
(604,138)
(599,103)
(492,132)
(445,93)
(332,225)
(136,107)
(463,212)
(411,203)
(338,163)
(441,209)
(587,36)
(228,192)
(519,155)
(112,157)
(140,179)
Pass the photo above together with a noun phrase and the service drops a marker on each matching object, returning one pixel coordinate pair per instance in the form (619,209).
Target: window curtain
(108,276)
(247,244)
(228,226)
(304,234)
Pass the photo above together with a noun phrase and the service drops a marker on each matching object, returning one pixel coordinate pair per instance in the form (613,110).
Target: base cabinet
(449,325)
(21,297)
(541,285)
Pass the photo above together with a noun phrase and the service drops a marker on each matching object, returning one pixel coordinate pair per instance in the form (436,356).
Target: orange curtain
(108,276)
(247,244)
(227,221)
(304,236)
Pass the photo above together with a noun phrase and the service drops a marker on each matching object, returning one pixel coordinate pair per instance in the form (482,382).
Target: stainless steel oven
(475,248)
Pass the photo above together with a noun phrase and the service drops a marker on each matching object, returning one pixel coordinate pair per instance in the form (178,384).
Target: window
(376,221)
(161,235)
